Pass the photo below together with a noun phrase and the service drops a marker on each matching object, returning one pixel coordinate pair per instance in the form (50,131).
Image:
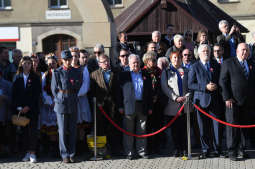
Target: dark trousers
(105,128)
(67,125)
(236,136)
(154,122)
(210,131)
(31,135)
(179,132)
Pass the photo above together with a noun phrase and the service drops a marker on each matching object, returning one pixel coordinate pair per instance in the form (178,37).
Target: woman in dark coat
(155,120)
(26,92)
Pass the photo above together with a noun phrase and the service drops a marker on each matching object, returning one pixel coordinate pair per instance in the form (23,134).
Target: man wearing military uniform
(65,85)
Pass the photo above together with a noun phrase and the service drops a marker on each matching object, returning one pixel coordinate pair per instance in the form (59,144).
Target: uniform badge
(72,81)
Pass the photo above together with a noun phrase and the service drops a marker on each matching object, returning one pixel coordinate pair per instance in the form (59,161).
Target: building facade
(54,25)
(241,10)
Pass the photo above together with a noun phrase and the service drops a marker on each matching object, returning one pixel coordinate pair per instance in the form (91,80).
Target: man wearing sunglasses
(187,59)
(93,60)
(123,58)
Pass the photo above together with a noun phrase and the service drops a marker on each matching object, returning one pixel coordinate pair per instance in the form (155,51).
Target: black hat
(66,54)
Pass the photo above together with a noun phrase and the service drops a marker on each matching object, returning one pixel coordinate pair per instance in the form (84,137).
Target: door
(57,43)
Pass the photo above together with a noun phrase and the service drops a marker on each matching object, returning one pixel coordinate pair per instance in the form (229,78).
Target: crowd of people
(140,93)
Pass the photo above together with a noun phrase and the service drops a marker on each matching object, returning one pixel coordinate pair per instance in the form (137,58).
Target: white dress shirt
(25,79)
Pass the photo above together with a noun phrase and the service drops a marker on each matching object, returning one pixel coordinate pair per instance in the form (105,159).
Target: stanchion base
(96,159)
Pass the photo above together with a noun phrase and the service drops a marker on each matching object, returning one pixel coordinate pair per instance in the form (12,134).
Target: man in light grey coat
(136,105)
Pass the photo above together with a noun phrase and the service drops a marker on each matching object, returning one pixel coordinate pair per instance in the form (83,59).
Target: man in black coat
(237,80)
(136,105)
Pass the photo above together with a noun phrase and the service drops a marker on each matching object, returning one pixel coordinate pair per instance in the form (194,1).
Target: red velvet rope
(145,135)
(223,122)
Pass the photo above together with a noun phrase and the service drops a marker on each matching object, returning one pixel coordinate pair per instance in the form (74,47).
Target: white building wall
(25,42)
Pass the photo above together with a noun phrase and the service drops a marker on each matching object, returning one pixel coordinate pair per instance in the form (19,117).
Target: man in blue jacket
(203,81)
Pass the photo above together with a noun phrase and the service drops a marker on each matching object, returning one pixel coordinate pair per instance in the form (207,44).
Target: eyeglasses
(97,53)
(124,56)
(188,35)
(186,54)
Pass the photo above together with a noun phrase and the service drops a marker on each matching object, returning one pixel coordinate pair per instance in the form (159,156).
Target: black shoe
(130,157)
(66,160)
(242,155)
(177,153)
(213,154)
(144,156)
(203,155)
(184,153)
(72,160)
(233,158)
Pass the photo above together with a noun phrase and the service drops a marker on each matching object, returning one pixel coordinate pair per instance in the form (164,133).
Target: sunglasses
(124,56)
(97,53)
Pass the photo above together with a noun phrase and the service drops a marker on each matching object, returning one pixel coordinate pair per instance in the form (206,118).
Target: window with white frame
(58,4)
(115,2)
(5,4)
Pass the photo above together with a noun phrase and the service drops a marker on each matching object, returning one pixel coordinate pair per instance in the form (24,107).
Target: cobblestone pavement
(155,163)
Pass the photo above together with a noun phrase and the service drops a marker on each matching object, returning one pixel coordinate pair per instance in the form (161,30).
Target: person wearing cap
(65,85)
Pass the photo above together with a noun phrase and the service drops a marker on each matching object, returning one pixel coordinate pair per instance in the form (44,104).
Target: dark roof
(202,11)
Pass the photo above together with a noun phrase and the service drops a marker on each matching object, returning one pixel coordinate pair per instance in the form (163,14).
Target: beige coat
(169,85)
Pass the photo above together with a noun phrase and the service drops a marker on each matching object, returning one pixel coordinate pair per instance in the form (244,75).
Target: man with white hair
(203,81)
(161,47)
(237,80)
(136,105)
(229,39)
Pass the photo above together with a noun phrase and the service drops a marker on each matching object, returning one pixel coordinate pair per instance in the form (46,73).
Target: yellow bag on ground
(100,144)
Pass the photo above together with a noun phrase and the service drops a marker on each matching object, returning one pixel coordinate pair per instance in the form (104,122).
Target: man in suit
(203,81)
(104,85)
(229,39)
(65,85)
(237,80)
(136,105)
(218,53)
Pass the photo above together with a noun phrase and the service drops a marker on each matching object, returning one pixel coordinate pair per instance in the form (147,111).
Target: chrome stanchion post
(95,130)
(188,127)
